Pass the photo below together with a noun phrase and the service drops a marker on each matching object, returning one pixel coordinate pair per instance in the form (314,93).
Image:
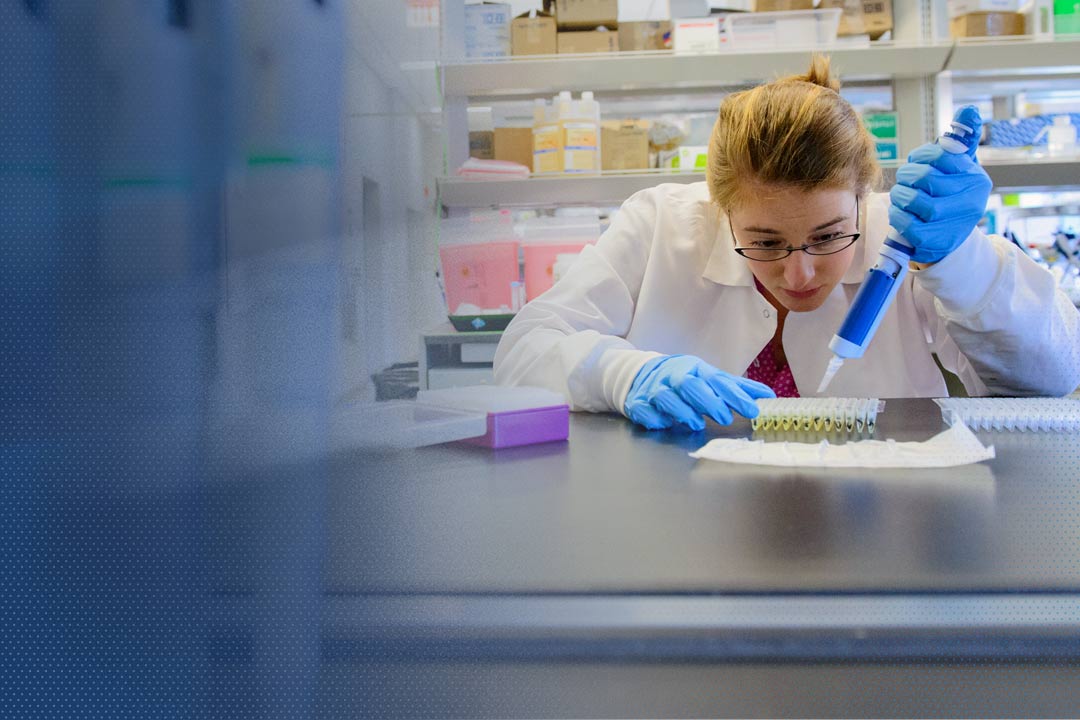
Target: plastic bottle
(580,126)
(1061,138)
(547,140)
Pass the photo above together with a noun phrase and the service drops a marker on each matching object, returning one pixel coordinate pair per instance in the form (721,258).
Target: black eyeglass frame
(804,248)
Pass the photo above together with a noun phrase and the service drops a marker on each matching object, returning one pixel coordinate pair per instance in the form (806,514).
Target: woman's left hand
(939,197)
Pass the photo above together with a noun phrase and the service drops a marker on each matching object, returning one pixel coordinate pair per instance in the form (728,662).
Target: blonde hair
(796,132)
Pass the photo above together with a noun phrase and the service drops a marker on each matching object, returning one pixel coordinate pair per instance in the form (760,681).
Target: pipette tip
(830,372)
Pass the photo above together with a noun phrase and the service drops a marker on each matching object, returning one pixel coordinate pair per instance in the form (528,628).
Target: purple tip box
(515,415)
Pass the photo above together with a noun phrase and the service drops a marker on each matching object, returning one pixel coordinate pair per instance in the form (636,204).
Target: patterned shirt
(765,370)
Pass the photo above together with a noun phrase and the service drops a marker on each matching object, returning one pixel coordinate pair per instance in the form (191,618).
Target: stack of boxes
(585,26)
(863,17)
(591,26)
(533,33)
(563,26)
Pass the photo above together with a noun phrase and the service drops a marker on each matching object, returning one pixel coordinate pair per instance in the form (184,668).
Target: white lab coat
(665,279)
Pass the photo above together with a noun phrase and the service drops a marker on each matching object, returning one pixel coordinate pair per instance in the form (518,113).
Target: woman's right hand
(679,389)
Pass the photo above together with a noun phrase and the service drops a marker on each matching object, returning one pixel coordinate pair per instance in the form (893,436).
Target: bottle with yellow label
(580,124)
(547,140)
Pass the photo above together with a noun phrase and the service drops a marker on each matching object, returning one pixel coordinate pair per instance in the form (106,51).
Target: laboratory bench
(613,574)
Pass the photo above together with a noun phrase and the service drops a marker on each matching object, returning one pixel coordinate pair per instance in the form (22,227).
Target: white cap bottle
(589,107)
(539,111)
(1061,138)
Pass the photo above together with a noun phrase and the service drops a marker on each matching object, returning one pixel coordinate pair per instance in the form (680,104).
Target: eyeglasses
(763,253)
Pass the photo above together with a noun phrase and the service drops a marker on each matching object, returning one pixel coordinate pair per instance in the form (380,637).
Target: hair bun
(820,73)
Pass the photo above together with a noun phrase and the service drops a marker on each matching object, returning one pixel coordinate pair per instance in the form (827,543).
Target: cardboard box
(533,35)
(583,14)
(487,30)
(964,7)
(514,144)
(624,145)
(653,35)
(987,24)
(782,5)
(863,17)
(590,41)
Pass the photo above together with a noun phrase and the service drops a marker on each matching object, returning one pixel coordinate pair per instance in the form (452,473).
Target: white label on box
(694,35)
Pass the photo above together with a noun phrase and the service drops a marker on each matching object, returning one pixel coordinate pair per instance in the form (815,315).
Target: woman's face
(789,217)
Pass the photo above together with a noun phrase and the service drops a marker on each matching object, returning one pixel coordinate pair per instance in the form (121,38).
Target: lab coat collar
(727,267)
(869,245)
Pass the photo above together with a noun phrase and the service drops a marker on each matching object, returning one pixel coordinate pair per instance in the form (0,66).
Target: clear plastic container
(515,415)
(547,238)
(773,30)
(479,259)
(403,424)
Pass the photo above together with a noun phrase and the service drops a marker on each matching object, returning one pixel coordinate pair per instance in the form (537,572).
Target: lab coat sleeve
(999,321)
(571,339)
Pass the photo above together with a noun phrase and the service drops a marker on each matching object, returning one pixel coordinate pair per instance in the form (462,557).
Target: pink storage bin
(546,239)
(540,263)
(479,273)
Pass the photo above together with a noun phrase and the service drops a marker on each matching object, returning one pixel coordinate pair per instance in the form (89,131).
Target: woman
(702,298)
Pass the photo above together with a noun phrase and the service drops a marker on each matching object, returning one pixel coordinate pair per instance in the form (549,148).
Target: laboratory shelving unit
(613,188)
(486,81)
(921,66)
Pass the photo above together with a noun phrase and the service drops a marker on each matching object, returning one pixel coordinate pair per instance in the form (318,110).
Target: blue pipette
(884,279)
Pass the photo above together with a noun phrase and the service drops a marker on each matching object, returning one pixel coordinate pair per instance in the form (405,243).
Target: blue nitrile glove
(681,388)
(939,197)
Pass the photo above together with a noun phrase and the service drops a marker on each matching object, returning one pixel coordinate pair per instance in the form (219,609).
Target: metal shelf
(641,71)
(1022,55)
(612,189)
(530,75)
(1035,174)
(547,191)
